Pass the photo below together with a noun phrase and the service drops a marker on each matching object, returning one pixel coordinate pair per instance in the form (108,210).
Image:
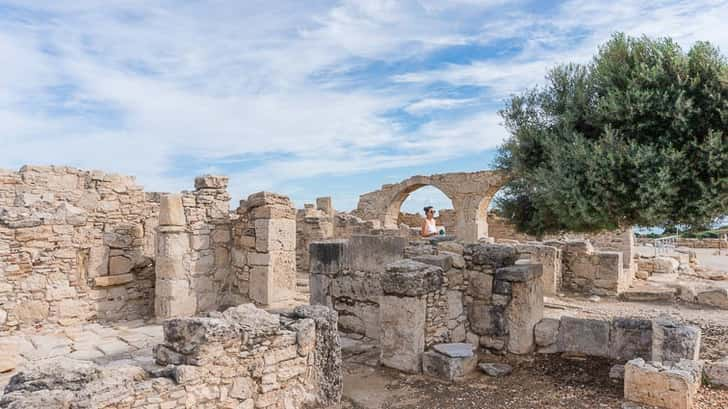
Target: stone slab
(447,368)
(455,350)
(668,387)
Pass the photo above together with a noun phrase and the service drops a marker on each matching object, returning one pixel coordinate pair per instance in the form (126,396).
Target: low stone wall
(620,339)
(590,271)
(482,296)
(551,260)
(242,358)
(691,243)
(74,246)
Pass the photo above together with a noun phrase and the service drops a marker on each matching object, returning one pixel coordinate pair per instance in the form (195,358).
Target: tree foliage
(639,136)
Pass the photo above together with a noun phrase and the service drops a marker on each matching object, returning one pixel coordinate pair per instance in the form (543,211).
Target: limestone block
(221,235)
(546,332)
(492,255)
(200,241)
(327,257)
(523,313)
(173,244)
(120,265)
(630,338)
(480,285)
(495,370)
(261,285)
(114,280)
(669,387)
(211,182)
(258,259)
(715,298)
(318,285)
(357,285)
(584,336)
(164,267)
(454,304)
(716,373)
(98,261)
(449,368)
(673,341)
(519,273)
(411,278)
(275,235)
(273,212)
(451,247)
(665,265)
(3,317)
(441,260)
(266,198)
(402,335)
(171,212)
(486,319)
(372,253)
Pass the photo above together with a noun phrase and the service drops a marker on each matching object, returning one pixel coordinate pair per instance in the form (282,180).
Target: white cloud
(134,87)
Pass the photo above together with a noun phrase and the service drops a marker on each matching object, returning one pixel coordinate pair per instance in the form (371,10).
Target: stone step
(649,294)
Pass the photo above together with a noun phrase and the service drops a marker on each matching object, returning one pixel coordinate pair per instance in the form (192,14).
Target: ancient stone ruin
(113,297)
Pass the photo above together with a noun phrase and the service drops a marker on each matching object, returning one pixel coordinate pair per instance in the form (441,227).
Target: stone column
(471,227)
(403,313)
(172,289)
(522,283)
(273,260)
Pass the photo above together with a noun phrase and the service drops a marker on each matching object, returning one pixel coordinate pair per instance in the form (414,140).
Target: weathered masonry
(241,358)
(413,297)
(470,194)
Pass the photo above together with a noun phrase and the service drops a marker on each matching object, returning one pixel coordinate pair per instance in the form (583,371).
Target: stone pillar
(272,259)
(173,297)
(471,227)
(403,313)
(325,205)
(327,260)
(524,286)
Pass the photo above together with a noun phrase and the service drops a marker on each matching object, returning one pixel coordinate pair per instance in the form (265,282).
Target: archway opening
(411,211)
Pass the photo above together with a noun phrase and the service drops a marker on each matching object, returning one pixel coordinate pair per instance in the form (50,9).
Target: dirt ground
(543,381)
(540,381)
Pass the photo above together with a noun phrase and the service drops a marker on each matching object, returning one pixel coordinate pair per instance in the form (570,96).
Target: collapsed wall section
(481,297)
(241,358)
(74,246)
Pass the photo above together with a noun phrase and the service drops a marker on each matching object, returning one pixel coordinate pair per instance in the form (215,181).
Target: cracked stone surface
(99,343)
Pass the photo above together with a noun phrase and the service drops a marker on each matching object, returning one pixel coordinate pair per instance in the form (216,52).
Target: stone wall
(619,338)
(312,224)
(590,271)
(74,246)
(242,358)
(470,194)
(193,272)
(264,249)
(472,292)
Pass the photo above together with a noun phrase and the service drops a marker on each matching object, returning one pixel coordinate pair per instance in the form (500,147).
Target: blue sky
(304,98)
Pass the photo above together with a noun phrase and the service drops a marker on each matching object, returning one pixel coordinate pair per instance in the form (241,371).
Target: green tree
(639,136)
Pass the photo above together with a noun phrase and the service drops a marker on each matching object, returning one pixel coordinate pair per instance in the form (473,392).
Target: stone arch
(399,196)
(468,192)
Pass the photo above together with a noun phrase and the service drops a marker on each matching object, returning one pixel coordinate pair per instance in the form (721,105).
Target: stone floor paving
(99,343)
